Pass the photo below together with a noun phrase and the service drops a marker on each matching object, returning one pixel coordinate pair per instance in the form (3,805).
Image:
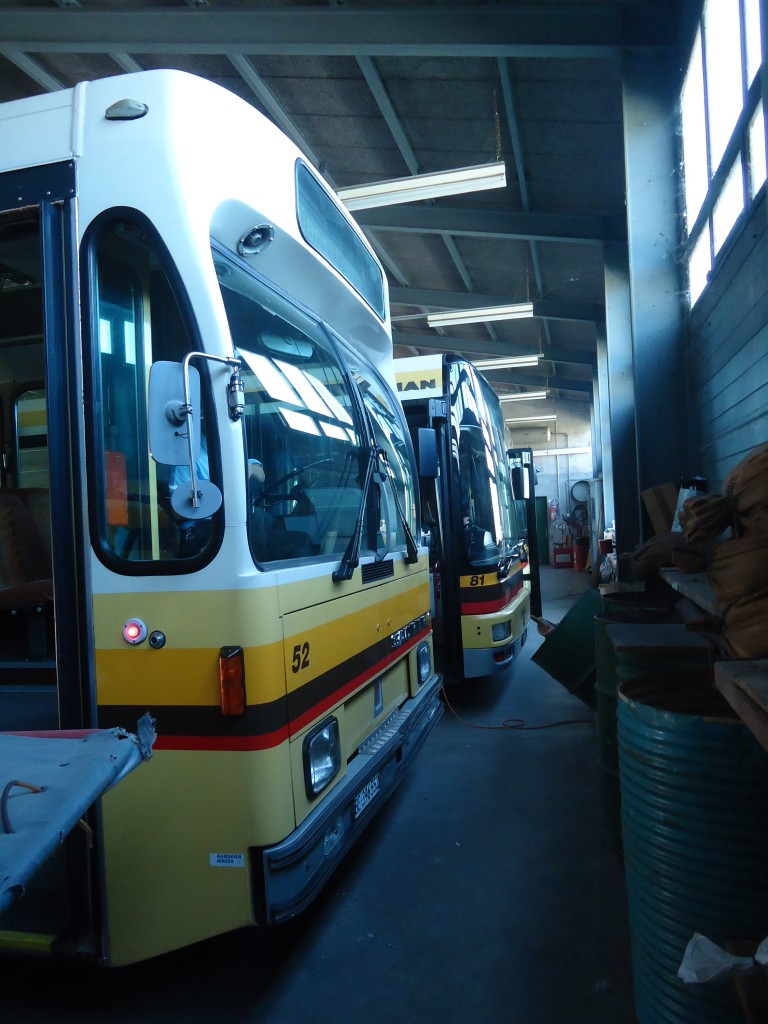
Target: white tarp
(47,783)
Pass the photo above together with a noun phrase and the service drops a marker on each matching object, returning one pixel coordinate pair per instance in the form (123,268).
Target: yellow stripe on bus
(185,677)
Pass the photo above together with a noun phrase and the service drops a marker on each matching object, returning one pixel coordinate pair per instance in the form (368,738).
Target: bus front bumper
(289,875)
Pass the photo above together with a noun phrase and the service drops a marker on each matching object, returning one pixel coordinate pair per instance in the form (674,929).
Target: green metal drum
(628,644)
(695,831)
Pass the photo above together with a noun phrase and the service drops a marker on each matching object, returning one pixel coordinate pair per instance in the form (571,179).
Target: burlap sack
(745,629)
(746,490)
(705,517)
(667,549)
(691,558)
(739,568)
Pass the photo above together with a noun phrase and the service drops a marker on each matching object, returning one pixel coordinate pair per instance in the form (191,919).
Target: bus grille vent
(377,570)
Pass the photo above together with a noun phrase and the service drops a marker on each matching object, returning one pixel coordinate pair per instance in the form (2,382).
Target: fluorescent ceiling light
(424,186)
(523,396)
(505,362)
(531,419)
(516,311)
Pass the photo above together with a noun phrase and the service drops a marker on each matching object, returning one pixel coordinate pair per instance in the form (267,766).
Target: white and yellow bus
(481,606)
(207,512)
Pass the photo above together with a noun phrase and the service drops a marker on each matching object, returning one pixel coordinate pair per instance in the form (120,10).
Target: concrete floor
(483,893)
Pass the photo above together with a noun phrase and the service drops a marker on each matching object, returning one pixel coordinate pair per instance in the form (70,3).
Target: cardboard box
(661,504)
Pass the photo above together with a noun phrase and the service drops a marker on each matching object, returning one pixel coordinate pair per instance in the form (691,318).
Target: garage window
(723,131)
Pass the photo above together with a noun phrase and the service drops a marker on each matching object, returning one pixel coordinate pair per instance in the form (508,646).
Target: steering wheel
(297,491)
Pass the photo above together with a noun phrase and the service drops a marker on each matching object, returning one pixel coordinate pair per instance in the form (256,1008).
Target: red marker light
(134,631)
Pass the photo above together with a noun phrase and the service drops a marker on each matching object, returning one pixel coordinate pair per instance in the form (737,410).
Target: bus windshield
(486,494)
(305,456)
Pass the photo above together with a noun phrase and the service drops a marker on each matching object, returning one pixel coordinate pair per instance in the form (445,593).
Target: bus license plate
(366,794)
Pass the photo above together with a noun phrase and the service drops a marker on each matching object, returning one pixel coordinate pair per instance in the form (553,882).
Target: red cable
(513,723)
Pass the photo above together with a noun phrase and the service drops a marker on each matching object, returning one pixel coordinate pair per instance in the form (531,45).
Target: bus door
(440,496)
(44,654)
(523,474)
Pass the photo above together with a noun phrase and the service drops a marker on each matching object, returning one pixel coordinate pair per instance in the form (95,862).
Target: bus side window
(137,319)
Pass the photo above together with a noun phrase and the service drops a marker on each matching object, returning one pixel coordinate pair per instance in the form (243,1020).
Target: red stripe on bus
(233,743)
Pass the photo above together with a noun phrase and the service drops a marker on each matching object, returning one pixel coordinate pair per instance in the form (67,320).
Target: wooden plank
(744,684)
(695,586)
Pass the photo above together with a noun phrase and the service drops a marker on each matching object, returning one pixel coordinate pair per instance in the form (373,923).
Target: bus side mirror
(167,417)
(427,453)
(171,415)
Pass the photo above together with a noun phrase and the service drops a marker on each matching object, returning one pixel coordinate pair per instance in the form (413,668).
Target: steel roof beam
(387,109)
(534,380)
(546,227)
(126,62)
(31,68)
(578,31)
(384,103)
(268,100)
(552,309)
(517,152)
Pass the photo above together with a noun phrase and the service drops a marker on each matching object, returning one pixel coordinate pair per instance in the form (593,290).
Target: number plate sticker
(366,794)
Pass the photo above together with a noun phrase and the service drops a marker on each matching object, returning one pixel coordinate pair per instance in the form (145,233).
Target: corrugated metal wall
(728,356)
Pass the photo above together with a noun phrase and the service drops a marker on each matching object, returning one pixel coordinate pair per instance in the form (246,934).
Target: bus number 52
(300,658)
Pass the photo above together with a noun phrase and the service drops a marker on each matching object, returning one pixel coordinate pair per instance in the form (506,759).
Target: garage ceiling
(373,91)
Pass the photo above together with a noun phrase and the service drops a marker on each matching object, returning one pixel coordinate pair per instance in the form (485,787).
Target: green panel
(568,653)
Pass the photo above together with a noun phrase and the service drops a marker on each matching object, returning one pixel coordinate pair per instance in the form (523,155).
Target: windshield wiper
(378,464)
(410,544)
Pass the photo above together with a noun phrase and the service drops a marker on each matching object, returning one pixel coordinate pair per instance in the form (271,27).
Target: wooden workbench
(693,585)
(744,684)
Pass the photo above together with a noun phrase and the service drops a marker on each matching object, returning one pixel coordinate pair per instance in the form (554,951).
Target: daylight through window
(723,131)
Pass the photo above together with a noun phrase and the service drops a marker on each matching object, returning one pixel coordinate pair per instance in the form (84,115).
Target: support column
(649,89)
(602,415)
(619,371)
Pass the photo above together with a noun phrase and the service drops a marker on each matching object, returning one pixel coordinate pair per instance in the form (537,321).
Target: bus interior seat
(37,501)
(26,584)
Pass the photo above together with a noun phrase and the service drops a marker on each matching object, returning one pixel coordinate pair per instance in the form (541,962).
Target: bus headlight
(424,663)
(322,756)
(501,631)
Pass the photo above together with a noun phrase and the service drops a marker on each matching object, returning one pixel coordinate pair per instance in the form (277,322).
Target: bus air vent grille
(377,570)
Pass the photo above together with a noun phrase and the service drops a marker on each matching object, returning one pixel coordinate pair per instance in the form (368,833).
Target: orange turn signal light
(232,680)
